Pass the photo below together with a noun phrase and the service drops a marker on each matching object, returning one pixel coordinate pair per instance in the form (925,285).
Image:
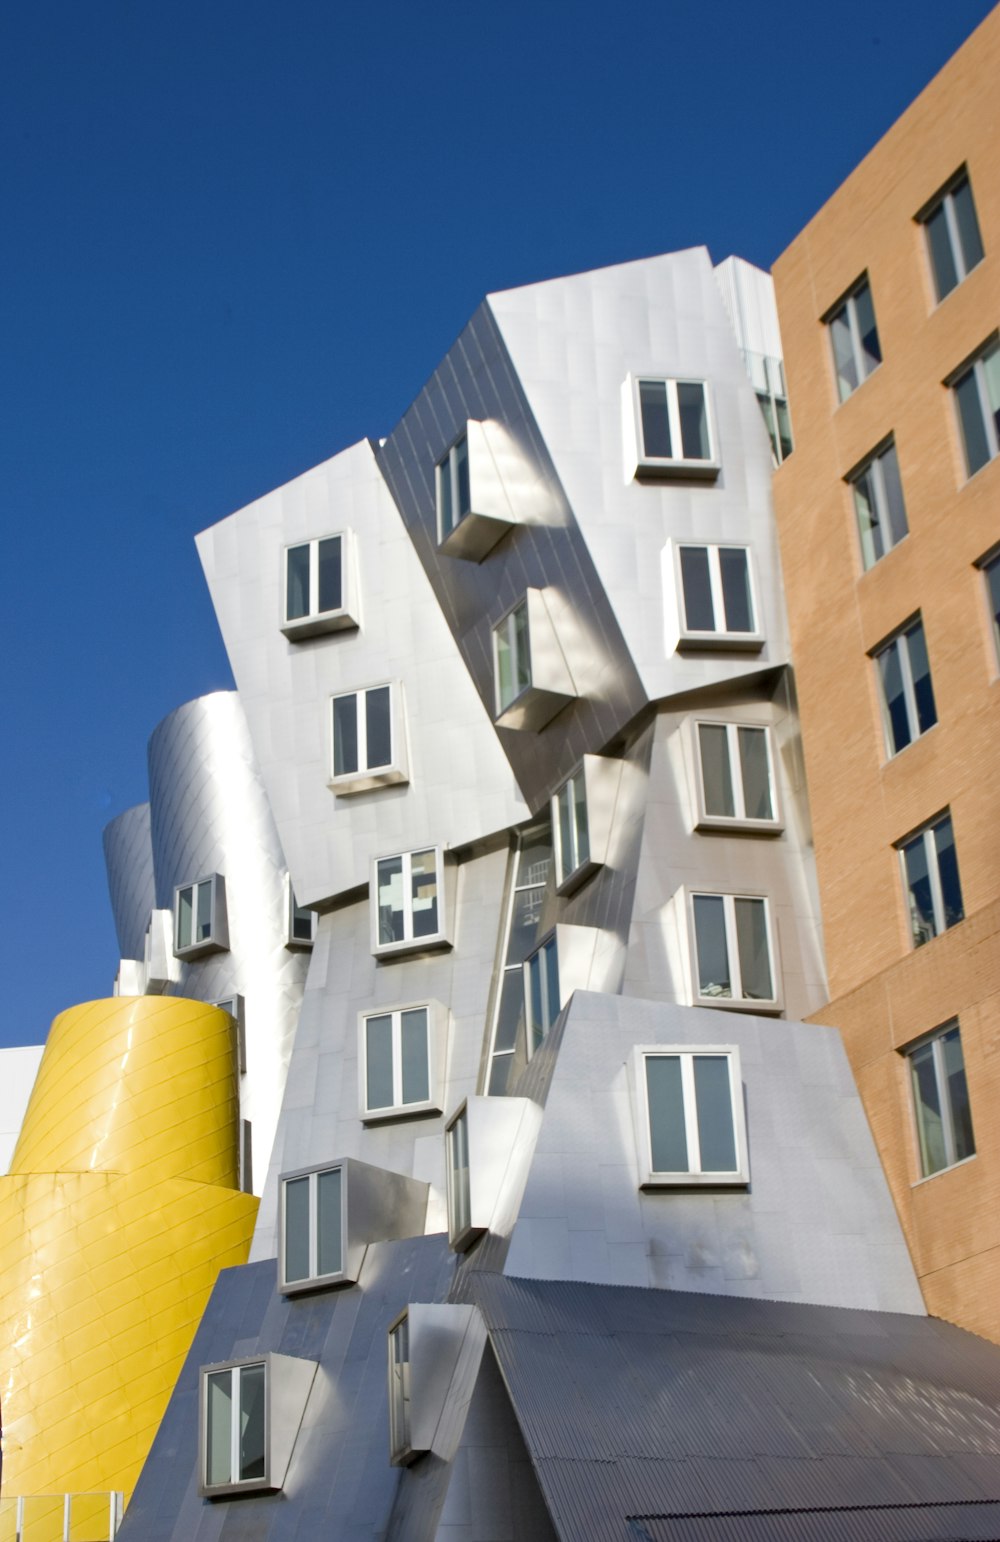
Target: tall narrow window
(399,1390)
(235,1425)
(941,1100)
(312,1228)
(977,398)
(991,572)
(930,875)
(362,731)
(396,1054)
(878,502)
(674,423)
(301,922)
(522,927)
(733,949)
(717,594)
(541,993)
(459,1190)
(570,828)
(904,674)
(737,775)
(854,339)
(454,498)
(691,1116)
(954,244)
(512,656)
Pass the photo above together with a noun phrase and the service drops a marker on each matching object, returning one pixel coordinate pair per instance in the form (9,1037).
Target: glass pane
(992,571)
(564,809)
(536,1000)
(897,717)
(920,669)
(458,1175)
(751,941)
(927,1106)
(968,226)
(869,524)
(185,918)
(552,1002)
(713,1101)
(414,1053)
(399,1406)
(699,615)
(951,892)
(522,650)
(756,777)
(460,455)
(220,1428)
(505,665)
(500,1069)
(991,372)
(942,257)
(252,1404)
(667,1137)
(345,735)
(956,1091)
(710,942)
(378,1062)
(843,354)
(871,353)
(445,510)
(424,889)
(734,571)
(378,726)
(302,922)
(579,787)
(784,429)
(694,420)
(390,900)
(330,579)
(511,1012)
(203,929)
(767,410)
(297,1229)
(535,859)
(524,924)
(655,420)
(895,509)
(977,449)
(716,774)
(919,896)
(329,1222)
(296,582)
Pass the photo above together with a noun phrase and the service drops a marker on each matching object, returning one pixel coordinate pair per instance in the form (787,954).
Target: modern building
(890,538)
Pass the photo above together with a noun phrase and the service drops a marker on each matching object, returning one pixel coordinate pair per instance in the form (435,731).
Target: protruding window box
(582,811)
(368,739)
(413,902)
(480,1141)
(735,778)
(668,428)
(690,1125)
(473,510)
(532,678)
(710,598)
(160,963)
(250,1414)
(329,1215)
(734,960)
(200,920)
(432,1349)
(319,591)
(401,1062)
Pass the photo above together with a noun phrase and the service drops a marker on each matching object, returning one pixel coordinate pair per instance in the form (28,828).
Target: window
(235,1006)
(878,503)
(774,410)
(954,244)
(512,656)
(732,938)
(977,398)
(541,993)
(941,1100)
(300,921)
(717,595)
(522,926)
(854,339)
(991,571)
(904,673)
(399,1390)
(409,909)
(317,591)
(674,426)
(569,827)
(367,742)
(459,1187)
(200,917)
(396,1059)
(312,1228)
(930,877)
(454,498)
(691,1124)
(737,775)
(235,1409)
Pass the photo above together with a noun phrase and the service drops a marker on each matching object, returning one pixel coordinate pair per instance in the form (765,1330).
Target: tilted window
(954,245)
(200,921)
(976,389)
(300,921)
(878,503)
(570,827)
(400,1447)
(674,427)
(734,952)
(541,993)
(691,1127)
(454,499)
(718,606)
(941,1100)
(236,1449)
(512,656)
(312,1228)
(990,567)
(854,339)
(368,739)
(737,776)
(399,1059)
(317,588)
(930,880)
(409,907)
(904,674)
(458,1177)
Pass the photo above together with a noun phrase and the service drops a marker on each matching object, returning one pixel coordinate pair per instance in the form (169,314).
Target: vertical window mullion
(732,946)
(674,418)
(313,1210)
(407,897)
(690,1113)
(909,693)
(985,407)
(361,728)
(715,582)
(934,880)
(954,235)
(396,1029)
(944,1101)
(855,331)
(736,770)
(313,578)
(234,1432)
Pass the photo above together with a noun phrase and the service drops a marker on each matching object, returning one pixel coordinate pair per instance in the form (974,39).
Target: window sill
(695,1181)
(238,1490)
(533,709)
(411,946)
(769,1008)
(321,1282)
(859,387)
(428,1109)
(898,754)
(578,877)
(918,1183)
(464,1240)
(316,626)
(474,537)
(719,824)
(366,781)
(200,950)
(741,642)
(656,470)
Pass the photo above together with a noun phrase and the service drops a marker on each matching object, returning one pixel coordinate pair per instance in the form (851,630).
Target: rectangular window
(716,593)
(314,579)
(235,1425)
(522,926)
(408,898)
(930,878)
(512,656)
(977,399)
(854,339)
(941,1100)
(362,732)
(904,674)
(737,774)
(399,1390)
(878,503)
(454,498)
(733,951)
(199,917)
(569,826)
(301,922)
(991,572)
(774,410)
(312,1228)
(675,431)
(954,244)
(396,1053)
(691,1113)
(459,1189)
(541,993)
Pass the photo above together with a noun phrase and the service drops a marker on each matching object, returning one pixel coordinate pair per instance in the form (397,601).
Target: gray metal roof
(721,1417)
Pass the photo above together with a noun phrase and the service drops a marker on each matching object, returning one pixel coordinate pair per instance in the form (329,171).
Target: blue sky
(238,237)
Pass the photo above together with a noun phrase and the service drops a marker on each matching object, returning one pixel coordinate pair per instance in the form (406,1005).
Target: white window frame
(409,943)
(926,834)
(508,625)
(434,1042)
(366,776)
(291,906)
(461,1232)
(872,467)
(945,200)
(399,1383)
(568,871)
(737,1002)
(650,1177)
(447,468)
(900,640)
(313,1280)
(674,464)
(936,1040)
(217,939)
(848,303)
(236,1007)
(976,367)
(235,1485)
(738,820)
(688,636)
(547,956)
(318,621)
